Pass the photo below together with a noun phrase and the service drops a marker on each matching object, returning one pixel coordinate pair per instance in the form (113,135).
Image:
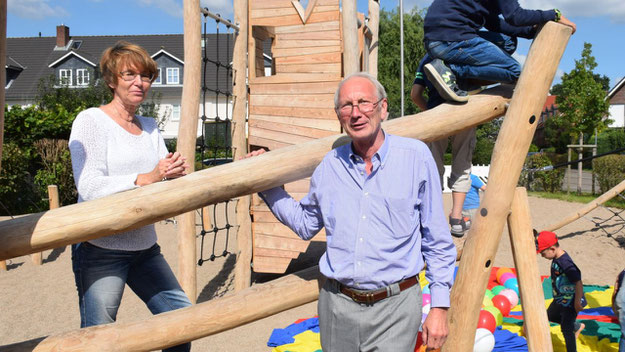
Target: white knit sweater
(106,159)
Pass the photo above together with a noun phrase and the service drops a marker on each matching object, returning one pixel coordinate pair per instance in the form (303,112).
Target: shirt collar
(380,155)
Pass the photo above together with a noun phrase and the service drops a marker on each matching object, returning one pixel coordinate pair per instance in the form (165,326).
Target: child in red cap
(567,286)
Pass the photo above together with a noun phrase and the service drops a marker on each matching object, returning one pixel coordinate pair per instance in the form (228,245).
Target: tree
(389,57)
(582,104)
(601,79)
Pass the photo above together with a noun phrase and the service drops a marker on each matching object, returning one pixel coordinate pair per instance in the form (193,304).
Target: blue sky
(599,22)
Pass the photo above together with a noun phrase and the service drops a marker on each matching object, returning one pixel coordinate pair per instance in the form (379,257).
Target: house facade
(616,97)
(73,62)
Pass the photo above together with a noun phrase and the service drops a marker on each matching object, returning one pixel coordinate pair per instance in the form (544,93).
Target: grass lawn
(616,202)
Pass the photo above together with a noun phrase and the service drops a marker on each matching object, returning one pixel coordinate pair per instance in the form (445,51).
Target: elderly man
(380,202)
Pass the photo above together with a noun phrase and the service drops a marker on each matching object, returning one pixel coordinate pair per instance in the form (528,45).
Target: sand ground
(37,301)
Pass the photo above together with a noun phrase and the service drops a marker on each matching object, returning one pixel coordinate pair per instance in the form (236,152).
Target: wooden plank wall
(295,104)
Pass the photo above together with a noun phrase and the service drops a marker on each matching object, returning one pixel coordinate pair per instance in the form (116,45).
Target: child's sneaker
(445,81)
(458,227)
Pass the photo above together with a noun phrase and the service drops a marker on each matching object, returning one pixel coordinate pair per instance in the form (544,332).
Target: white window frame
(170,71)
(63,75)
(158,79)
(175,112)
(82,80)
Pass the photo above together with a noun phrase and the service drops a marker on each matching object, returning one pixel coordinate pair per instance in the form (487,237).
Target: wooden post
(3,76)
(374,26)
(53,200)
(145,205)
(187,135)
(243,265)
(580,153)
(530,286)
(507,161)
(568,170)
(351,62)
(611,193)
(594,154)
(187,324)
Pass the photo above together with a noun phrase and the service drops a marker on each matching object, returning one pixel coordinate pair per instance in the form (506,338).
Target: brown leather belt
(372,296)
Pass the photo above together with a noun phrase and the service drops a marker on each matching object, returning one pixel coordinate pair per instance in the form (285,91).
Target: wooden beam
(374,27)
(243,265)
(187,135)
(351,63)
(611,193)
(135,208)
(509,154)
(187,324)
(530,286)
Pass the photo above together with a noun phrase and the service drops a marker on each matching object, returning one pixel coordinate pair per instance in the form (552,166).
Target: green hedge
(549,181)
(610,170)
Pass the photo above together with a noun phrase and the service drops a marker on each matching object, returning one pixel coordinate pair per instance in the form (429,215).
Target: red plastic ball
(502,303)
(487,321)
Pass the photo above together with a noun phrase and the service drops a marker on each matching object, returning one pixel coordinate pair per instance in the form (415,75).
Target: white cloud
(520,58)
(35,9)
(614,9)
(170,7)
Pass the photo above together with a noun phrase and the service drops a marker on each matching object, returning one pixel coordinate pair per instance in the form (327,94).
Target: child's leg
(568,328)
(476,58)
(462,147)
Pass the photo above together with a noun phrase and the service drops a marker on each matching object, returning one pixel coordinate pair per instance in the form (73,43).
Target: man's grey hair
(381,92)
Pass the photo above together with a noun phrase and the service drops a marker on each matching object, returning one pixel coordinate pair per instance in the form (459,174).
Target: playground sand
(37,301)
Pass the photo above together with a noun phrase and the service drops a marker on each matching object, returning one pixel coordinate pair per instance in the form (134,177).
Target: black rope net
(215,143)
(612,225)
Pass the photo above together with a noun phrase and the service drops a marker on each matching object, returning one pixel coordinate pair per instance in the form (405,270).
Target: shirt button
(358,263)
(362,173)
(357,285)
(366,194)
(364,216)
(361,239)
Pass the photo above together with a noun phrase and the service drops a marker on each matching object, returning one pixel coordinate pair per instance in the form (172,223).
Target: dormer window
(158,79)
(173,75)
(82,77)
(65,77)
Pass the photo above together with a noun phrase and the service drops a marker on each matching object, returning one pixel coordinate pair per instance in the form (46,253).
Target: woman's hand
(254,153)
(172,166)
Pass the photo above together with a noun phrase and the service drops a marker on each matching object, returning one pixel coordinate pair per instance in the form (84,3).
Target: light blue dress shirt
(379,227)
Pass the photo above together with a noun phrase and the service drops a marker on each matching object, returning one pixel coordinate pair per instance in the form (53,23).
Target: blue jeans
(485,57)
(619,302)
(102,274)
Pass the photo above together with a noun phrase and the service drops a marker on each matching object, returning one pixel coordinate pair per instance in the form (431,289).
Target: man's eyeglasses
(363,106)
(131,76)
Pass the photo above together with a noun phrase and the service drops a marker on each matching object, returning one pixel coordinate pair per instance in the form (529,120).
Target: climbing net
(215,144)
(613,224)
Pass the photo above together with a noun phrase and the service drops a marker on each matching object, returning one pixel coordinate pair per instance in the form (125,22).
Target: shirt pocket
(397,215)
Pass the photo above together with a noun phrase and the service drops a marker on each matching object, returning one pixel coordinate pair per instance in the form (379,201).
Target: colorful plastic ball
(487,321)
(505,277)
(455,271)
(425,309)
(489,294)
(496,314)
(496,289)
(512,296)
(426,289)
(502,303)
(427,299)
(484,341)
(502,271)
(486,302)
(513,284)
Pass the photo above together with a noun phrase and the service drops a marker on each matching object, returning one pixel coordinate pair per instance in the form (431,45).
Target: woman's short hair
(128,54)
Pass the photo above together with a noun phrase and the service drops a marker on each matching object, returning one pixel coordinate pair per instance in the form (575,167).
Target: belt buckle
(369,298)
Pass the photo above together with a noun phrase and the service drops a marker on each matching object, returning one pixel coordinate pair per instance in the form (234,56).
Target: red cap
(544,240)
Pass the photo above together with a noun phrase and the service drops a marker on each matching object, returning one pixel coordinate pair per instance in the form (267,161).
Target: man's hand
(435,328)
(254,153)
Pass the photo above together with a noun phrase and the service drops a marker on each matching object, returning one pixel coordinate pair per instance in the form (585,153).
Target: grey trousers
(462,145)
(391,324)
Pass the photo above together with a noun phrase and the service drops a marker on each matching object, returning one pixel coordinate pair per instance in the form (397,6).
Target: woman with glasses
(115,150)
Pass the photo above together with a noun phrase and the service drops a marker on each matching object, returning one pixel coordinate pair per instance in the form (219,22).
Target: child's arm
(417,96)
(579,293)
